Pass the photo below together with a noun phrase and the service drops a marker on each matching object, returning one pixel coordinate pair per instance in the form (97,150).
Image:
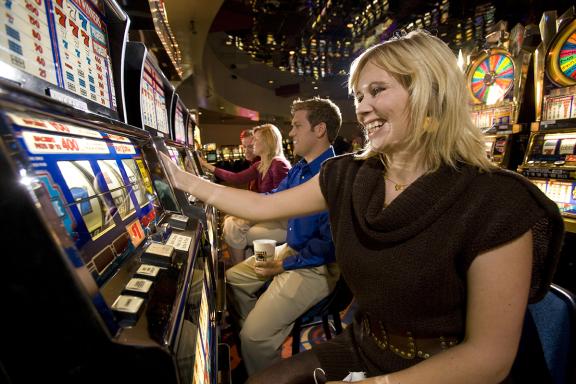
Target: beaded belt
(406,346)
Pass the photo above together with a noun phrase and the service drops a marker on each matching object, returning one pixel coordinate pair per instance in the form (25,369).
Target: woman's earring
(430,124)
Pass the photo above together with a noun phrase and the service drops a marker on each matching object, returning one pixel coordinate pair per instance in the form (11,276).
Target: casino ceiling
(251,58)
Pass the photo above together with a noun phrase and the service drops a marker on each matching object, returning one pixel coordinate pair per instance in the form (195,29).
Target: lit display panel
(197,138)
(98,185)
(563,193)
(553,147)
(153,100)
(190,132)
(175,155)
(63,42)
(179,128)
(190,163)
(202,358)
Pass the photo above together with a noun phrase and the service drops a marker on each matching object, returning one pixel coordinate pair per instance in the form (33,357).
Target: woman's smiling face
(382,108)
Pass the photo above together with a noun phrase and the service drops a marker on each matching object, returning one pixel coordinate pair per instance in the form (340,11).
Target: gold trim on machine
(554,70)
(490,77)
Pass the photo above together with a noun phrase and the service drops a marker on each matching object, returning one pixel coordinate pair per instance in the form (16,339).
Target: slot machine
(155,108)
(98,290)
(497,79)
(211,152)
(187,159)
(180,119)
(550,160)
(152,107)
(182,128)
(196,134)
(194,142)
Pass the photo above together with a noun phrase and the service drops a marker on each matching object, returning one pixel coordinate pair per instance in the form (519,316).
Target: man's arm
(319,250)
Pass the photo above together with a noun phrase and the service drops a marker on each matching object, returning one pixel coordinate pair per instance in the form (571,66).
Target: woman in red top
(267,174)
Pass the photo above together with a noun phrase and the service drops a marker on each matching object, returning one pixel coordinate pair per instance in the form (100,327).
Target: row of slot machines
(109,273)
(524,91)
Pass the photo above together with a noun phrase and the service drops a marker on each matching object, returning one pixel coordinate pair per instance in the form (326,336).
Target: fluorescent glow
(495,94)
(25,179)
(461,62)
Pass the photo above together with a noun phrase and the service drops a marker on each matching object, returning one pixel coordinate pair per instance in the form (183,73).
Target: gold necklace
(397,186)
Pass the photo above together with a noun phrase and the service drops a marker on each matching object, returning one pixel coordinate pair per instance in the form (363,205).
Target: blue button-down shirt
(308,235)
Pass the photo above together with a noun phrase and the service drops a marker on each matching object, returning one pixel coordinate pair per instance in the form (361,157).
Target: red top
(278,169)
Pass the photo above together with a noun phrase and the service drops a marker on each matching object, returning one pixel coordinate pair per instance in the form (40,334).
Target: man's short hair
(246,133)
(320,111)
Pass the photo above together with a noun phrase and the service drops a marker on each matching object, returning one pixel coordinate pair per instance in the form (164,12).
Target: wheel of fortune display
(491,76)
(561,57)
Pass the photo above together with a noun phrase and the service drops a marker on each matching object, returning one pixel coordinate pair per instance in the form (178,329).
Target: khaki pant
(238,233)
(268,320)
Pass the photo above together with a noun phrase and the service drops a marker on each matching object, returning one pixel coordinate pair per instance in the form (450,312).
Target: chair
(555,320)
(550,334)
(337,301)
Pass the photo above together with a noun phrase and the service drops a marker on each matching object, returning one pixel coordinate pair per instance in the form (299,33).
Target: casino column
(550,160)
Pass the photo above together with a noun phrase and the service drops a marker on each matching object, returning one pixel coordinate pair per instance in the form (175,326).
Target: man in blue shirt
(303,271)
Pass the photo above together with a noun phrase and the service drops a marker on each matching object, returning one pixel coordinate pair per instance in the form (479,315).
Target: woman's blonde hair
(440,125)
(272,140)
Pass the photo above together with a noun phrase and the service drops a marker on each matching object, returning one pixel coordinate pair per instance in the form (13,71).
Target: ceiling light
(322,48)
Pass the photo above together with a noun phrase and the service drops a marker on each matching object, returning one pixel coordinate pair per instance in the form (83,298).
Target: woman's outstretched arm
(301,200)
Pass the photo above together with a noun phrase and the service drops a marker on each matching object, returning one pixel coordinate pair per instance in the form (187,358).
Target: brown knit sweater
(406,264)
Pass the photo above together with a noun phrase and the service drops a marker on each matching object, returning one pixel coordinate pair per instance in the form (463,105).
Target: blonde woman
(442,250)
(265,174)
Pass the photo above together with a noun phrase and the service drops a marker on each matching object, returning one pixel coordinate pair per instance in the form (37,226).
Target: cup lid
(265,241)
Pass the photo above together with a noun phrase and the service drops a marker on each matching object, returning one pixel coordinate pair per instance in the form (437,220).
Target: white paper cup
(264,249)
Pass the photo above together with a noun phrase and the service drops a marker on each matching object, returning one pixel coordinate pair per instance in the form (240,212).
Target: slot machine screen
(98,184)
(190,132)
(198,164)
(553,147)
(97,209)
(176,157)
(153,100)
(179,128)
(160,180)
(489,146)
(190,162)
(211,157)
(561,192)
(62,42)
(197,137)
